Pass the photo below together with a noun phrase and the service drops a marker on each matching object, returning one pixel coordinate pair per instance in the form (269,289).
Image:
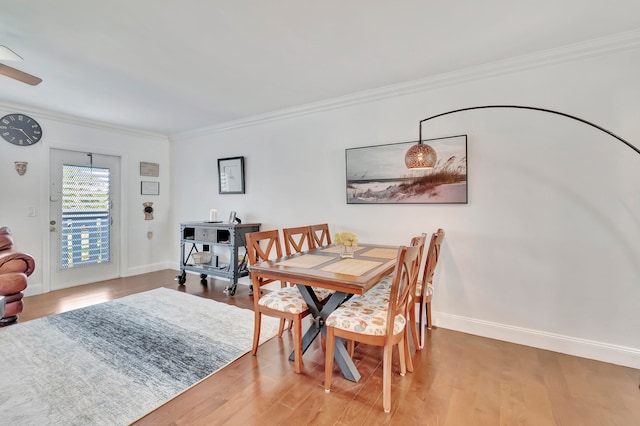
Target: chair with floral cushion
(321,235)
(383,289)
(420,298)
(379,321)
(424,289)
(285,303)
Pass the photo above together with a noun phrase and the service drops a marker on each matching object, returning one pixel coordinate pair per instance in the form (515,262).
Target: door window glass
(85,216)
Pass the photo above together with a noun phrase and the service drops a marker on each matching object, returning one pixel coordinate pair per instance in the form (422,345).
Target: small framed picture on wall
(149,188)
(231,175)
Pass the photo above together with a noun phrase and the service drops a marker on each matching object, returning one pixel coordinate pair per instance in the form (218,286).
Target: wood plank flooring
(459,379)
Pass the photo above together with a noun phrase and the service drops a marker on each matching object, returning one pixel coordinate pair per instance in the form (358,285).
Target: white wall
(18,193)
(545,253)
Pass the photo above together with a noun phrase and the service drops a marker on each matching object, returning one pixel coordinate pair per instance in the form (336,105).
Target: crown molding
(77,121)
(572,52)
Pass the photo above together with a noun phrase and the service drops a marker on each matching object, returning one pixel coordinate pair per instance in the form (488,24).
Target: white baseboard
(614,354)
(152,267)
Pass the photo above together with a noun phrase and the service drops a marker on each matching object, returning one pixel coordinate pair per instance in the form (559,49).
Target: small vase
(346,252)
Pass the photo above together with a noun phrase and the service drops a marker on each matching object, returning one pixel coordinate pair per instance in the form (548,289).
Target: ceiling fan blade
(19,75)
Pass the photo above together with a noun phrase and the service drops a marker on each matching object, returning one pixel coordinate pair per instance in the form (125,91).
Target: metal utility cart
(196,237)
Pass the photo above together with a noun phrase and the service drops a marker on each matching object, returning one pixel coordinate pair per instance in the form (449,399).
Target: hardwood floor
(459,379)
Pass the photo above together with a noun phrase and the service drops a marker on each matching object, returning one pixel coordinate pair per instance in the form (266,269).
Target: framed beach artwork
(378,174)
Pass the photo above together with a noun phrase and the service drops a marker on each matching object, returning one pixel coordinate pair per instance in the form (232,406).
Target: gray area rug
(111,363)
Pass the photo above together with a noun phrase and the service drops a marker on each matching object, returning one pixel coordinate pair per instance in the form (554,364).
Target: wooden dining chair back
(321,235)
(298,239)
(424,287)
(411,314)
(403,287)
(379,321)
(285,302)
(263,246)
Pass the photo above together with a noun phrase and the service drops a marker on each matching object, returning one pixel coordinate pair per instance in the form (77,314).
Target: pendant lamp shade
(420,156)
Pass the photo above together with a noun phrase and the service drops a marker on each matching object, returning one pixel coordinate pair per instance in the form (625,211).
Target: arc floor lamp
(422,156)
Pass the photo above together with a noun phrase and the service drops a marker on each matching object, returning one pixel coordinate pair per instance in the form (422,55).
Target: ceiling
(172,66)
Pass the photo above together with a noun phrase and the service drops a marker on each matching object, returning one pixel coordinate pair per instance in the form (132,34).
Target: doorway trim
(122,250)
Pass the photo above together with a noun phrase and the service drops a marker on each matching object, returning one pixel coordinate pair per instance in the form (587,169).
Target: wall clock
(20,129)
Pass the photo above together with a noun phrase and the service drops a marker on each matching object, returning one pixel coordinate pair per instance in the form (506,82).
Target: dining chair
(383,290)
(285,302)
(298,240)
(321,235)
(377,321)
(424,289)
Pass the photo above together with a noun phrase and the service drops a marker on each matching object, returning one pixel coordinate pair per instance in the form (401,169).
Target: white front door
(83,217)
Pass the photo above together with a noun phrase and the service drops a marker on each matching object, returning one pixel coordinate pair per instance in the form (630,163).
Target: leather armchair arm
(6,241)
(15,261)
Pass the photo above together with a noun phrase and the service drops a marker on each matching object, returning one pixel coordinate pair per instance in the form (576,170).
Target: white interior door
(83,217)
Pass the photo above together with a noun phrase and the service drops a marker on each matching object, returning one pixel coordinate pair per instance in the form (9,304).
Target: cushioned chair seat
(322,293)
(365,315)
(287,299)
(382,290)
(427,292)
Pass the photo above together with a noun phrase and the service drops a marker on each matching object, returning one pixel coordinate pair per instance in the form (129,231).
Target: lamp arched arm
(534,109)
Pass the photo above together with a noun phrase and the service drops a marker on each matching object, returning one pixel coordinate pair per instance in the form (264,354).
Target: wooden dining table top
(323,267)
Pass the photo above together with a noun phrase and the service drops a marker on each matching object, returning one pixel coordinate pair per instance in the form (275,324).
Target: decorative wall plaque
(149,169)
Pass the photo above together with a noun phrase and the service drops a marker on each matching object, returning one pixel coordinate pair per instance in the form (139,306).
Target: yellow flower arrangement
(348,239)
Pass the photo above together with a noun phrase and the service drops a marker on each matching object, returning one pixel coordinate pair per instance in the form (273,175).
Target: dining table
(323,267)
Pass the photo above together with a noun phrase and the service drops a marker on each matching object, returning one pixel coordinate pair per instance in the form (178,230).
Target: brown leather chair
(15,267)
